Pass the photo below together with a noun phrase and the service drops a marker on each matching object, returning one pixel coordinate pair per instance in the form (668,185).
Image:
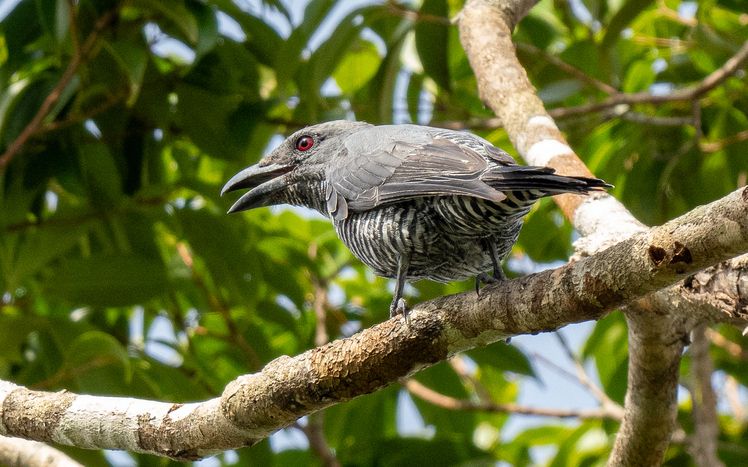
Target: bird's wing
(379,166)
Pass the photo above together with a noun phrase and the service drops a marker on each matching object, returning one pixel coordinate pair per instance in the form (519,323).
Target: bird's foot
(484,278)
(398,307)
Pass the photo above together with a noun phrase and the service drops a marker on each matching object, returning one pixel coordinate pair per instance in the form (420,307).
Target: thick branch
(254,406)
(706,421)
(655,345)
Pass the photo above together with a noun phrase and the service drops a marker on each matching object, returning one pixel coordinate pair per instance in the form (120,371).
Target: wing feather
(388,164)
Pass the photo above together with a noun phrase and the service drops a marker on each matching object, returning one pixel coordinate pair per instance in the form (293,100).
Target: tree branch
(706,422)
(584,379)
(656,342)
(22,452)
(314,432)
(254,406)
(450,403)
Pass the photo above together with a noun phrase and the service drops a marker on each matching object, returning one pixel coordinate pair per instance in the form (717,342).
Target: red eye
(304,143)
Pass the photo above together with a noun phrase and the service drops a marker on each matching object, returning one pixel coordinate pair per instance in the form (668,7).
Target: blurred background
(121,274)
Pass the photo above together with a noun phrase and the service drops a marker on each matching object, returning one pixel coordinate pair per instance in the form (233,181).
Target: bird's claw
(399,308)
(484,278)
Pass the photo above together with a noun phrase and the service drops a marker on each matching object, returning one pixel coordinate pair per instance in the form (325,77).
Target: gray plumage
(411,202)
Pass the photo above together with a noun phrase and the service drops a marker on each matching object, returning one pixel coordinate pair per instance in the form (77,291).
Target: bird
(411,202)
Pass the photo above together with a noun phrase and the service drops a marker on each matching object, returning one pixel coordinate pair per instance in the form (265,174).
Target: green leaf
(100,174)
(357,67)
(218,124)
(288,58)
(179,15)
(441,451)
(432,42)
(207,27)
(328,56)
(19,105)
(19,29)
(504,357)
(133,60)
(262,40)
(343,423)
(608,346)
(558,91)
(545,236)
(99,363)
(11,345)
(639,76)
(39,246)
(8,103)
(621,19)
(415,86)
(443,379)
(106,280)
(54,15)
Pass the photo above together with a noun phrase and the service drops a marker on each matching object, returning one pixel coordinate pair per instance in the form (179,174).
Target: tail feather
(543,179)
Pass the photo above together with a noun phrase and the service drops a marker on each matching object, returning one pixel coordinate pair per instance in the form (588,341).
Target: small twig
(673,15)
(315,434)
(451,403)
(416,16)
(654,120)
(714,146)
(67,373)
(568,68)
(458,365)
(685,94)
(74,29)
(732,394)
(586,381)
(735,350)
(675,45)
(320,311)
(34,125)
(218,305)
(106,104)
(625,114)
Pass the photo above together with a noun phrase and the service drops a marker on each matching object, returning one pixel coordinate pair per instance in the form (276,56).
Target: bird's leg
(397,307)
(498,272)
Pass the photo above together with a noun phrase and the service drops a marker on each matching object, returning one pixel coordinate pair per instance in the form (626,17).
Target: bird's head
(303,156)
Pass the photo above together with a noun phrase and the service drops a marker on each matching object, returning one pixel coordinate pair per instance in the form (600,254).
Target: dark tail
(542,179)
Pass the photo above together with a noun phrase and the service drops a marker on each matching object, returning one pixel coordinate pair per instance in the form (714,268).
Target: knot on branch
(678,256)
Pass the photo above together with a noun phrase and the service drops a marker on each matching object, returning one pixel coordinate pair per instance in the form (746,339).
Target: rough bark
(705,417)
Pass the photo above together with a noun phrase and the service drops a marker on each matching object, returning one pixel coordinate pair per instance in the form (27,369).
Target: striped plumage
(411,202)
(421,230)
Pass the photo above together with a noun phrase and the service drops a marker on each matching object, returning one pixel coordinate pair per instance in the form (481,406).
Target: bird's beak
(264,182)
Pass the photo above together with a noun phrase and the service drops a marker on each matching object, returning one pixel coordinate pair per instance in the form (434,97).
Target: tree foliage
(121,274)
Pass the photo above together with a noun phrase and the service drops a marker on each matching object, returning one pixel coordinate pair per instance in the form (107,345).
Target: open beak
(264,182)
